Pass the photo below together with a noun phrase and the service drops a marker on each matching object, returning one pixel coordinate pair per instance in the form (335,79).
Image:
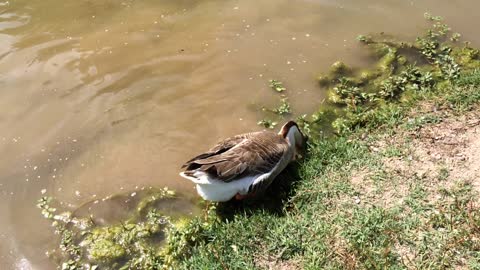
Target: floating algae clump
(103,249)
(338,70)
(467,57)
(109,244)
(133,242)
(387,62)
(433,61)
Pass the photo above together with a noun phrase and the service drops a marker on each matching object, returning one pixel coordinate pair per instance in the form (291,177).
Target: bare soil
(438,155)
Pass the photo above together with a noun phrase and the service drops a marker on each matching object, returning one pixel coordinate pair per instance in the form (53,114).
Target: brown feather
(241,155)
(219,148)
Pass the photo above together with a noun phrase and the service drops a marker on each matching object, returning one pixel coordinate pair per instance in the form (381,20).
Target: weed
(277,85)
(267,123)
(284,108)
(84,245)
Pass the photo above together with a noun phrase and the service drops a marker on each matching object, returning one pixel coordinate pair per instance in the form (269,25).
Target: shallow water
(103,97)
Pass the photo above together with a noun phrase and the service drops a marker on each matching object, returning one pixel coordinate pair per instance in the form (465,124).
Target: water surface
(104,97)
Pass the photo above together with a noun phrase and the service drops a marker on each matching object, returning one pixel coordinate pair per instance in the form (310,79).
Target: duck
(244,165)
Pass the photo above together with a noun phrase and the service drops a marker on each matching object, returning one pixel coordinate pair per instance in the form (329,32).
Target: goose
(244,165)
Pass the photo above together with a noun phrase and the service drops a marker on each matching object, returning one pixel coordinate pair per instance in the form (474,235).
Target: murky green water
(103,97)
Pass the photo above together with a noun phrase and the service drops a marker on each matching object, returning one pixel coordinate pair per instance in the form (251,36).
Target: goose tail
(199,178)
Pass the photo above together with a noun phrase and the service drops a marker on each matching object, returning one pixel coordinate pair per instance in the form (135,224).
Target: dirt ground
(455,144)
(439,154)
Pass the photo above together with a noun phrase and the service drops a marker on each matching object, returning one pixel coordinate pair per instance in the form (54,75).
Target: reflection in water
(101,97)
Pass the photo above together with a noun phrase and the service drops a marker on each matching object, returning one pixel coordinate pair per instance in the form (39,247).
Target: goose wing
(240,156)
(218,149)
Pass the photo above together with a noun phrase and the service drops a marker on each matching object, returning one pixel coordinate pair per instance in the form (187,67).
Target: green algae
(108,244)
(319,123)
(105,250)
(339,68)
(284,107)
(386,64)
(147,202)
(467,57)
(267,123)
(433,61)
(366,76)
(280,111)
(277,85)
(134,243)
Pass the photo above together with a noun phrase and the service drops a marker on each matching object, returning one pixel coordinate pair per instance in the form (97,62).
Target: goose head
(295,138)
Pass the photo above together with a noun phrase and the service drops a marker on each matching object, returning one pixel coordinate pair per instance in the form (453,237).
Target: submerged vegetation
(267,123)
(280,111)
(277,85)
(131,244)
(433,62)
(361,203)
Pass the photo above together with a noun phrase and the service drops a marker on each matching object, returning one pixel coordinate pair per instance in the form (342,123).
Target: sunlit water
(101,97)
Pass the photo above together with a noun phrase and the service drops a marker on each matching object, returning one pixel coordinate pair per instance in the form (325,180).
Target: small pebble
(357,199)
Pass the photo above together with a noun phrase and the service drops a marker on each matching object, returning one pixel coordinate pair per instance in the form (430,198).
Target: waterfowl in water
(244,165)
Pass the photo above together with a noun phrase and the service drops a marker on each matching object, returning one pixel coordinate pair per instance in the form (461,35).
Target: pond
(105,97)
